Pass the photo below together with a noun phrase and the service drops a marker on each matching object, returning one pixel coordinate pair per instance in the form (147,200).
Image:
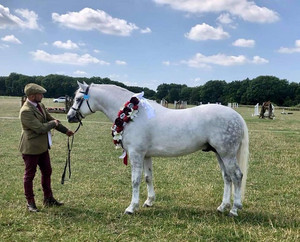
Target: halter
(86,97)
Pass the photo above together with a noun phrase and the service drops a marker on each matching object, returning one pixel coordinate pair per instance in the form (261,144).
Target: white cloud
(69,45)
(166,63)
(259,60)
(122,63)
(146,30)
(4,46)
(30,18)
(11,39)
(24,19)
(291,50)
(121,78)
(89,19)
(197,81)
(202,61)
(244,43)
(225,18)
(67,58)
(80,73)
(245,9)
(206,32)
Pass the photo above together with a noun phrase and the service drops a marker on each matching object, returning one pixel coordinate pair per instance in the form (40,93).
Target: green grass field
(188,188)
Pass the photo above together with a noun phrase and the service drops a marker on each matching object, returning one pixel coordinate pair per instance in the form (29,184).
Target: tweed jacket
(35,128)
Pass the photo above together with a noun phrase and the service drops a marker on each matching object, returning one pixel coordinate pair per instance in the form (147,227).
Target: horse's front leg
(136,160)
(149,181)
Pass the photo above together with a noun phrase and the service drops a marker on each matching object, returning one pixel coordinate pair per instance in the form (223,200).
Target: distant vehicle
(59,100)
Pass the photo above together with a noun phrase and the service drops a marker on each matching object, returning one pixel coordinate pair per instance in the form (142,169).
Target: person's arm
(61,128)
(29,120)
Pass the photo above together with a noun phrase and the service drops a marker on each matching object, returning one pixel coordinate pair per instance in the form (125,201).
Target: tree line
(248,91)
(58,85)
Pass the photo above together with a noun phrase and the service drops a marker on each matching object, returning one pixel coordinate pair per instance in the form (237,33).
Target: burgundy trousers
(31,163)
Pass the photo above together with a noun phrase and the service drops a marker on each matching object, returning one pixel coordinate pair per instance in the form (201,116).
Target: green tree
(212,91)
(186,93)
(267,88)
(2,86)
(195,95)
(162,91)
(173,95)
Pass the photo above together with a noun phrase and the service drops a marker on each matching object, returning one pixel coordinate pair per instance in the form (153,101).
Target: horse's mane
(110,86)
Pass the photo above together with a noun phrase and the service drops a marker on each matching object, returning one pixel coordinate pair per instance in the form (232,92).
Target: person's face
(38,97)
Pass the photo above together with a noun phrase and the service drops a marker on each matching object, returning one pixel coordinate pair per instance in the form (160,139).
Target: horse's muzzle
(73,119)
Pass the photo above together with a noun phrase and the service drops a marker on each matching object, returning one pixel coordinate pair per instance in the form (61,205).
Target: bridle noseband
(86,97)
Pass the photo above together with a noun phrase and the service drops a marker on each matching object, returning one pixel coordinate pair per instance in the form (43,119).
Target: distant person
(35,142)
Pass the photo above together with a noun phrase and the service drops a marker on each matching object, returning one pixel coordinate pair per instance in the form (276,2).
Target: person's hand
(56,122)
(70,133)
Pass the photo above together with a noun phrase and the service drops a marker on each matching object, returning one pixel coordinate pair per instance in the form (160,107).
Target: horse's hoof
(128,212)
(238,205)
(220,210)
(233,214)
(147,204)
(222,207)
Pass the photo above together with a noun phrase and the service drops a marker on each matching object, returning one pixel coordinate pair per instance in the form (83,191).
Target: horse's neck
(109,99)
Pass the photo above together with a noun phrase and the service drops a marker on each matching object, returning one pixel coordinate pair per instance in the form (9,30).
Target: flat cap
(32,88)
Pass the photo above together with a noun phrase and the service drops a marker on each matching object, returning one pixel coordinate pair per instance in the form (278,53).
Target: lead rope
(68,159)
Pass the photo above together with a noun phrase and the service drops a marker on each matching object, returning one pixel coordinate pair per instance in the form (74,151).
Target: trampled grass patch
(188,188)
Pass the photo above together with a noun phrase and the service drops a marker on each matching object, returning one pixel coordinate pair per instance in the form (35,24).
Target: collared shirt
(49,133)
(33,103)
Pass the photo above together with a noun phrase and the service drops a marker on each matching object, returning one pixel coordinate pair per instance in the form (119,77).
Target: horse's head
(82,104)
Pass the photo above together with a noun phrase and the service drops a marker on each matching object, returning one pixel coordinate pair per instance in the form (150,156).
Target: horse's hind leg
(227,187)
(233,170)
(149,182)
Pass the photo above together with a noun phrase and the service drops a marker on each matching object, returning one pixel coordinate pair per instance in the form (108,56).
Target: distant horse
(170,132)
(267,109)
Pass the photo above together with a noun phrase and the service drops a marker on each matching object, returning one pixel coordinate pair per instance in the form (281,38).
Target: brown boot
(51,201)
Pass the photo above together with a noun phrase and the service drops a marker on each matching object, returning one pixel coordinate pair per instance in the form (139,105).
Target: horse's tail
(242,157)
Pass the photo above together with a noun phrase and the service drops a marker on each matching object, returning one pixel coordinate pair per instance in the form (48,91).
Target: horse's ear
(82,86)
(85,83)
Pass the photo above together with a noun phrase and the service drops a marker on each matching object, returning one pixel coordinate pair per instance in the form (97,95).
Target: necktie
(39,108)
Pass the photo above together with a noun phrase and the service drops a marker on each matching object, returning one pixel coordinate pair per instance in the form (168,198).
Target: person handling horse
(35,142)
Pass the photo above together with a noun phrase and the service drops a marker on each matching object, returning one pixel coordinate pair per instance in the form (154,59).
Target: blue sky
(150,42)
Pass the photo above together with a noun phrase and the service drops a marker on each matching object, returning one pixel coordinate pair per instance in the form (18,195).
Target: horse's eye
(78,99)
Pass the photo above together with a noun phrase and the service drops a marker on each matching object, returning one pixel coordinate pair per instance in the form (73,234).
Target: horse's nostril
(73,119)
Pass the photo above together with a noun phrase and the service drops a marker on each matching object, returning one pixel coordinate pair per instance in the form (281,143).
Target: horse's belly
(175,147)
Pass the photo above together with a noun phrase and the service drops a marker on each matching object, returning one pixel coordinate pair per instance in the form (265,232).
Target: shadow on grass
(75,214)
(187,214)
(210,215)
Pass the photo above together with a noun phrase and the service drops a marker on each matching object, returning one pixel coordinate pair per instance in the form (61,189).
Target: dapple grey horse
(174,133)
